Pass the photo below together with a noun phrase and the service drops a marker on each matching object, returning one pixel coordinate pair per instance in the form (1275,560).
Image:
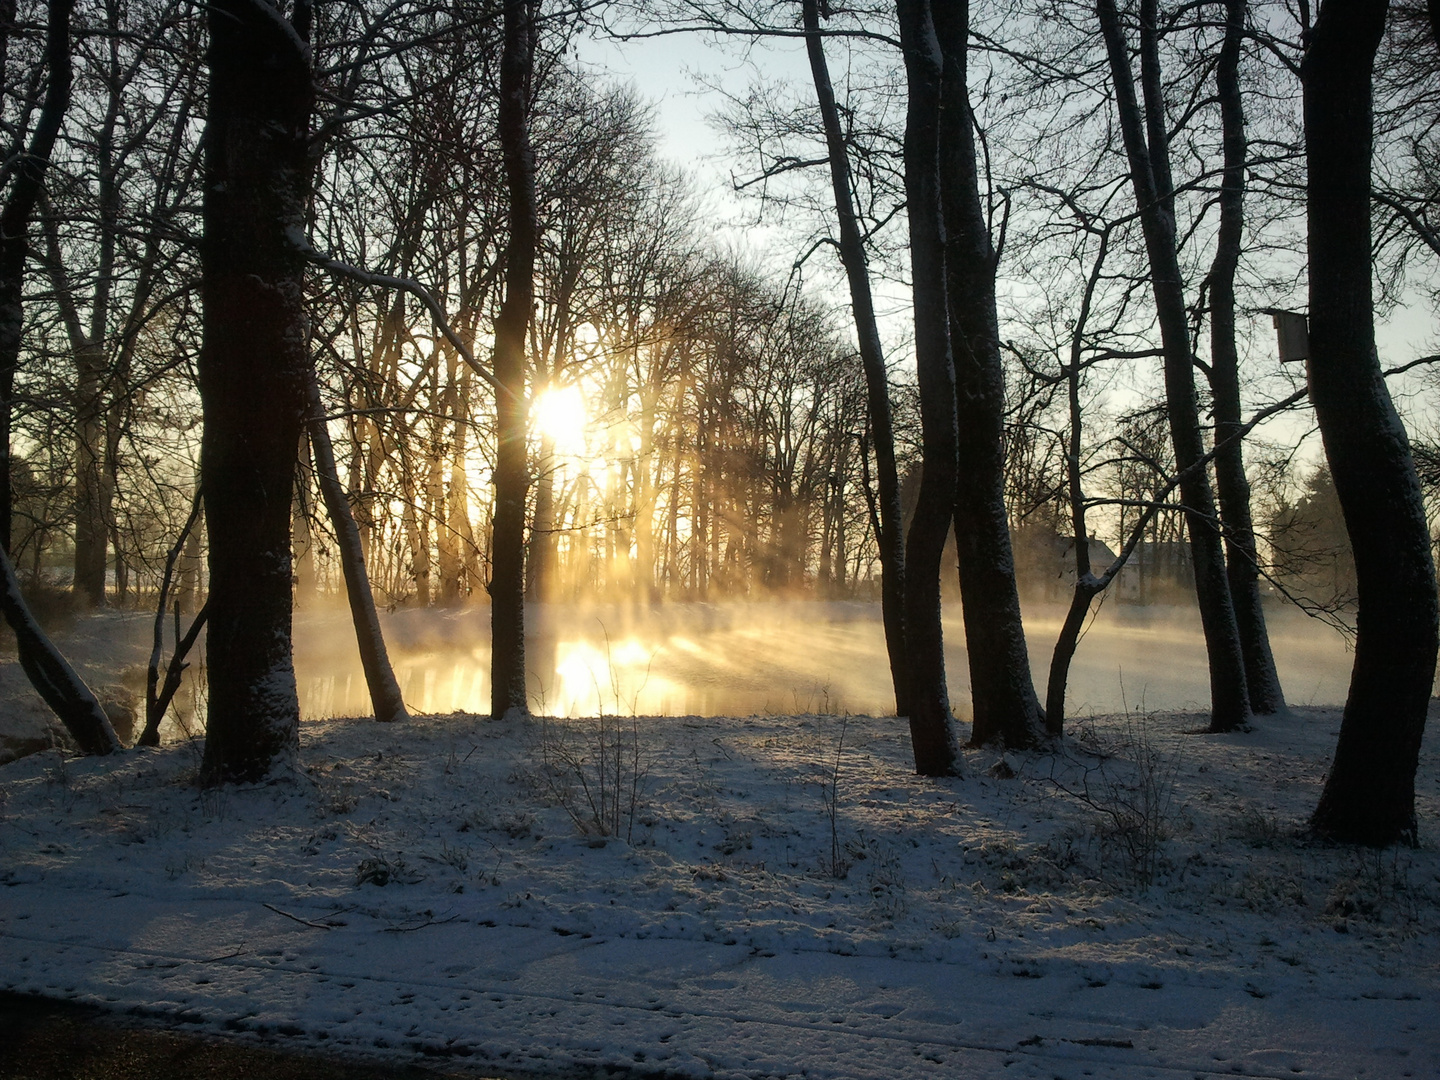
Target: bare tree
(56,681)
(1232,488)
(882,438)
(507,579)
(1369,795)
(26,184)
(931,732)
(252,371)
(1146,136)
(1006,710)
(385,696)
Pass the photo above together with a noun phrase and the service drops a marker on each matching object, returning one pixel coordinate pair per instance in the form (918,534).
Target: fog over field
(777,657)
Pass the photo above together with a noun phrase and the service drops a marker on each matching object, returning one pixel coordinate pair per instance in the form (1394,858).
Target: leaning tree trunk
(1001,689)
(252,373)
(1087,586)
(1369,796)
(385,696)
(507,575)
(931,725)
(1232,488)
(55,680)
(25,186)
(1154,196)
(872,358)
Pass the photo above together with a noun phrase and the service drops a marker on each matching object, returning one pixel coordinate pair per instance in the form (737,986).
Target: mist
(775,657)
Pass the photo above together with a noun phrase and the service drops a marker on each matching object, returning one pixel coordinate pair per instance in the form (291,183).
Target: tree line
(317,269)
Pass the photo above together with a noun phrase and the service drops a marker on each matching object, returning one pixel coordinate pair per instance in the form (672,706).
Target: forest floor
(738,897)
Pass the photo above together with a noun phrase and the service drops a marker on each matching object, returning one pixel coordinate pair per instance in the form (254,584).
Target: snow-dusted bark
(53,678)
(1369,796)
(385,696)
(253,366)
(1001,689)
(931,725)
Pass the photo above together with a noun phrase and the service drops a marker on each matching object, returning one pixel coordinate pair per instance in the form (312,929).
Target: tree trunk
(457,503)
(931,725)
(1086,589)
(1001,688)
(1065,644)
(92,529)
(385,696)
(1149,175)
(303,539)
(872,358)
(1232,488)
(55,680)
(1369,796)
(540,562)
(252,372)
(507,575)
(15,216)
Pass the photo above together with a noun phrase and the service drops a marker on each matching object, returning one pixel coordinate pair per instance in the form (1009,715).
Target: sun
(559,414)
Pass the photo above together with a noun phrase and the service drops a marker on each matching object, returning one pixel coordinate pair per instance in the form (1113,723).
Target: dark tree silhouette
(252,372)
(26,185)
(891,538)
(931,730)
(1369,795)
(507,577)
(1232,488)
(55,680)
(1002,692)
(1146,147)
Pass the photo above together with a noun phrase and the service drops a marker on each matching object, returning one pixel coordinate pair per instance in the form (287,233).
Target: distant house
(1158,571)
(1045,562)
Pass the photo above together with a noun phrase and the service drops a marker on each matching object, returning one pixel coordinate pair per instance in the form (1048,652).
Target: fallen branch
(303,922)
(417,926)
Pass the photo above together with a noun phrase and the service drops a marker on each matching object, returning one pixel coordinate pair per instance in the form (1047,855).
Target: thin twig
(297,918)
(418,926)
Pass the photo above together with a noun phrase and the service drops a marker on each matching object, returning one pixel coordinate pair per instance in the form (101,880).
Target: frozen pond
(742,658)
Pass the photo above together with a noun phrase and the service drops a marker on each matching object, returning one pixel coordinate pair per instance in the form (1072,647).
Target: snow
(442,887)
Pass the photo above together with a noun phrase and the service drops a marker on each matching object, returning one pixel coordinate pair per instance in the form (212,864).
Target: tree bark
(931,724)
(15,217)
(157,695)
(385,696)
(507,574)
(252,373)
(872,358)
(1001,688)
(55,680)
(1232,488)
(1369,795)
(1086,586)
(1149,175)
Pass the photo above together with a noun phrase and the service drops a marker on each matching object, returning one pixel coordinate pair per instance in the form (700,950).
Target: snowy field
(783,898)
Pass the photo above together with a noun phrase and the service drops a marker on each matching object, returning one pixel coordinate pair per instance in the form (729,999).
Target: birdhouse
(1292,328)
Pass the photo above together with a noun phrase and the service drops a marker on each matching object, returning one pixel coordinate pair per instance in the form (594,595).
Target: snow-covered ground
(785,898)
